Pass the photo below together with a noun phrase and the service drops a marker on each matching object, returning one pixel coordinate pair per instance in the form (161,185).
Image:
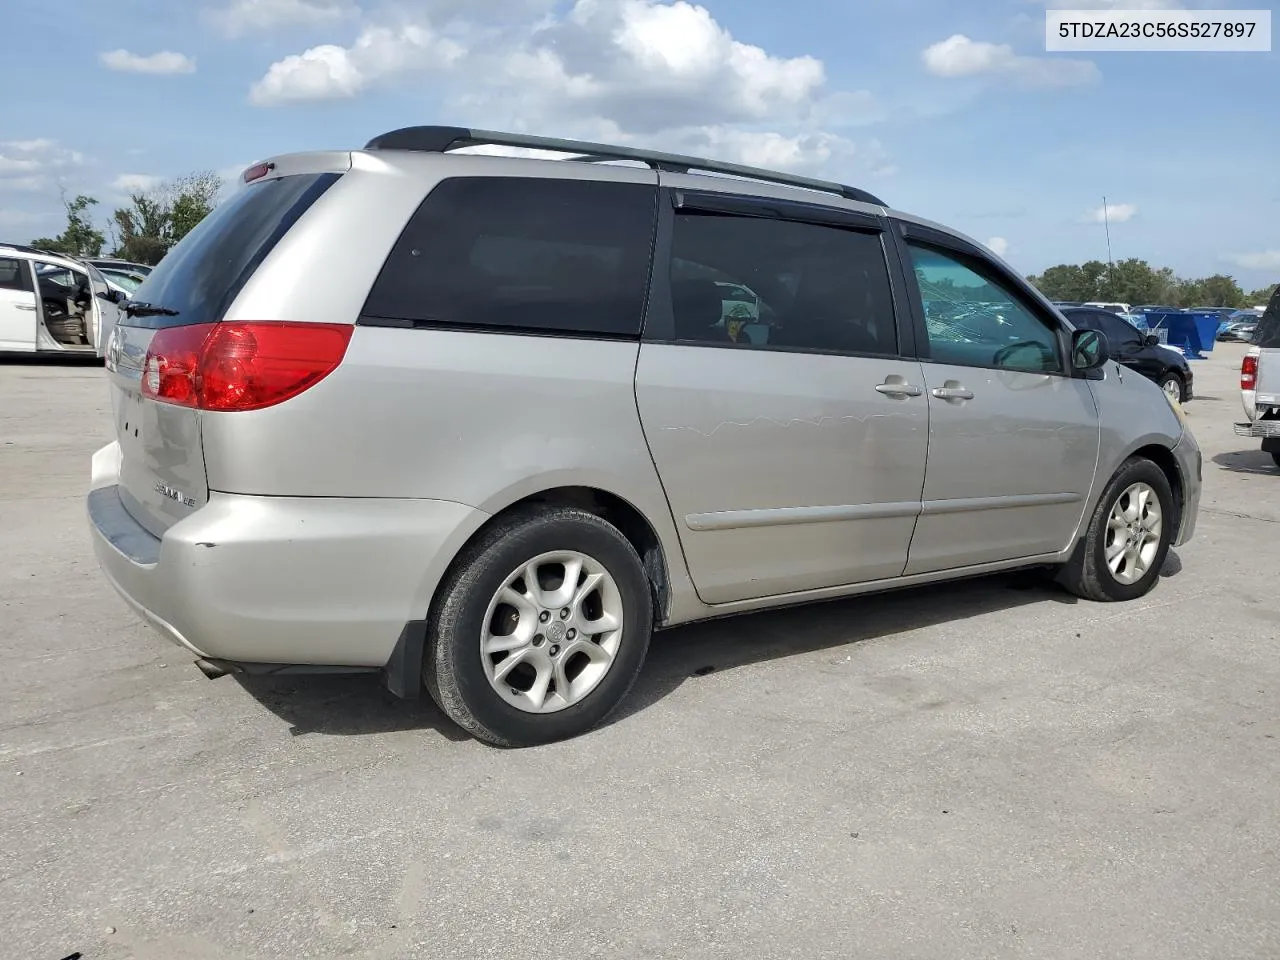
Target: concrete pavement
(989,769)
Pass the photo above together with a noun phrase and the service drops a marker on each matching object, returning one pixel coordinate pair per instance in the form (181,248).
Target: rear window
(202,274)
(523,254)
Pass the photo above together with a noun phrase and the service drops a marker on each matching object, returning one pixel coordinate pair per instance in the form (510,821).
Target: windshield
(129,281)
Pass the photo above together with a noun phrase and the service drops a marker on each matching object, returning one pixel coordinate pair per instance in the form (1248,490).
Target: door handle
(952,393)
(25,306)
(899,389)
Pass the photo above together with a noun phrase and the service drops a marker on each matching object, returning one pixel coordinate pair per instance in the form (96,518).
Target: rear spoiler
(288,164)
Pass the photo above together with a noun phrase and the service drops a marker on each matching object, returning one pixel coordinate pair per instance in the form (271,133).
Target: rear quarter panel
(479,419)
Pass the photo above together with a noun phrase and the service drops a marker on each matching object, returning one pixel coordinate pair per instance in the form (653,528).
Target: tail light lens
(1249,373)
(241,366)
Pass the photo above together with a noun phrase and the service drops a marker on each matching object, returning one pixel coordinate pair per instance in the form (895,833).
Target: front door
(789,434)
(18,316)
(1013,437)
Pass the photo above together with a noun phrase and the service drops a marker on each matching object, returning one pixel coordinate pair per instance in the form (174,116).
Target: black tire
(1173,378)
(1087,574)
(1275,455)
(453,668)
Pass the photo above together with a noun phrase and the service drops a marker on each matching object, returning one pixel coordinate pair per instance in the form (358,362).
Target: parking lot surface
(988,769)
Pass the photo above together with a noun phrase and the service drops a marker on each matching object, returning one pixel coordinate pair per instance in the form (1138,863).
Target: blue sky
(947,108)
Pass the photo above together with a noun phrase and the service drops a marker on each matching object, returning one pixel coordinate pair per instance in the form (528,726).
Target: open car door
(104,314)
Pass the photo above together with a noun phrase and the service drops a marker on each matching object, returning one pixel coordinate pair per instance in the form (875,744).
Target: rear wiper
(140,308)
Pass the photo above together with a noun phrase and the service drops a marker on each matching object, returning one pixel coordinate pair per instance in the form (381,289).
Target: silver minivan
(481,423)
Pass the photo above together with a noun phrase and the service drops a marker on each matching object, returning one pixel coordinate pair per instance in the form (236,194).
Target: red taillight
(1249,373)
(241,366)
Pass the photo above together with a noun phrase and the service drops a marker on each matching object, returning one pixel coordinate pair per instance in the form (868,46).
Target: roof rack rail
(27,248)
(444,139)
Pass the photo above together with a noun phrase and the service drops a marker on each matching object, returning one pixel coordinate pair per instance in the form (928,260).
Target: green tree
(192,197)
(1133,281)
(80,238)
(155,221)
(1063,282)
(1093,275)
(1260,296)
(1218,290)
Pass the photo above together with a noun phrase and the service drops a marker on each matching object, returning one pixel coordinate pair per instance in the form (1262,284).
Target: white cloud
(331,72)
(1263,260)
(657,73)
(34,165)
(1113,212)
(164,62)
(998,245)
(959,56)
(653,66)
(240,17)
(136,182)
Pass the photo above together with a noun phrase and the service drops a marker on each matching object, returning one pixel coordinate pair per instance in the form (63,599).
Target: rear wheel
(1172,387)
(540,630)
(1128,536)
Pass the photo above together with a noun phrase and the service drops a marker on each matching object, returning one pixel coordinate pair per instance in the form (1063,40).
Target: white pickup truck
(1260,383)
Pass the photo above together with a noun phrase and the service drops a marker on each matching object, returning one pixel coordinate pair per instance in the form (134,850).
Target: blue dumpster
(1192,333)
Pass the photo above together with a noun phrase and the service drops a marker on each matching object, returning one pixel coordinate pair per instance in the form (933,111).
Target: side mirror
(1089,349)
(1152,340)
(113,296)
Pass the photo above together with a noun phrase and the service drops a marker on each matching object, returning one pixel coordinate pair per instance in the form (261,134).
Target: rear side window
(777,284)
(202,274)
(566,256)
(14,274)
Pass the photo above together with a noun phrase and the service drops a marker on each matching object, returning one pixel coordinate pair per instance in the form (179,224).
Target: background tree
(156,220)
(79,239)
(1218,290)
(1063,282)
(1135,281)
(1260,296)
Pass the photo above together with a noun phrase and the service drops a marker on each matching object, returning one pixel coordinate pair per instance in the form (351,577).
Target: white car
(54,304)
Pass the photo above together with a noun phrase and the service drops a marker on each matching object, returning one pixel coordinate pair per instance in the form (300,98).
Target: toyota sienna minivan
(481,423)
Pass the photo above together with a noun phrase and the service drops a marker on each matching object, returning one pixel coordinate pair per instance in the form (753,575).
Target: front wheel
(1128,536)
(540,630)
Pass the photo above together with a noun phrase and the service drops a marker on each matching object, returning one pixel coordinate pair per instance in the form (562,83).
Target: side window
(974,320)
(14,275)
(1120,333)
(56,280)
(759,282)
(568,256)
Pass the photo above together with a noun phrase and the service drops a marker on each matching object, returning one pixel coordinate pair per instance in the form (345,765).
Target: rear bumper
(1260,429)
(281,580)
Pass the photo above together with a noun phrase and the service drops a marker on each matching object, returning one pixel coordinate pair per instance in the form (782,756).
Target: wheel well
(630,522)
(1163,458)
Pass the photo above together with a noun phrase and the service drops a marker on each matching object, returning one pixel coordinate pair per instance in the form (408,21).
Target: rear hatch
(162,470)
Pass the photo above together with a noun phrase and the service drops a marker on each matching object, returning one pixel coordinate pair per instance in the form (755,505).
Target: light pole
(1106,222)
